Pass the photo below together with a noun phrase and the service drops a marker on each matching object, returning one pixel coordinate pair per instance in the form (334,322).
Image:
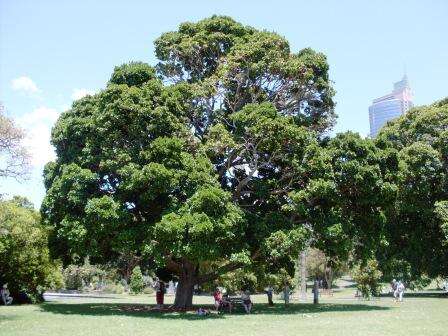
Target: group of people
(398,290)
(223,301)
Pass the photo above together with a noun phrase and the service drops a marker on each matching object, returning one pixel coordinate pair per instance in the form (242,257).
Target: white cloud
(25,84)
(38,124)
(38,116)
(79,93)
(38,143)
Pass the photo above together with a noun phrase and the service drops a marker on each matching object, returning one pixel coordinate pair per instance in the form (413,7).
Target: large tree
(191,163)
(415,150)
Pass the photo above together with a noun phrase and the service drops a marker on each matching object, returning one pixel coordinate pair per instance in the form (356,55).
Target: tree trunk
(185,287)
(303,275)
(330,280)
(316,292)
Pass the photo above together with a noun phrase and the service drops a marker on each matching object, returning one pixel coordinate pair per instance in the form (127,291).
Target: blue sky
(54,51)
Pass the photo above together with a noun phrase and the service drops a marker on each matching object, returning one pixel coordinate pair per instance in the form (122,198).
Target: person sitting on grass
(247,303)
(6,295)
(202,312)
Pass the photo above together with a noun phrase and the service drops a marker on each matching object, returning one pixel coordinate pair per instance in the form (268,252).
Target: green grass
(423,314)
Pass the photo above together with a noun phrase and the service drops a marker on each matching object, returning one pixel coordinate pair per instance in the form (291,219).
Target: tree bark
(184,292)
(189,277)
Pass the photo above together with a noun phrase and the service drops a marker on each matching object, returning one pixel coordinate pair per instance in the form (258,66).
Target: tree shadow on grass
(141,310)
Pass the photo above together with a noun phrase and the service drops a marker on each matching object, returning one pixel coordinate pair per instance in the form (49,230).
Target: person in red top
(217,295)
(221,301)
(159,286)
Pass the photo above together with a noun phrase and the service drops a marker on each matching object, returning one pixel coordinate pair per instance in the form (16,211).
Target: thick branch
(173,266)
(220,270)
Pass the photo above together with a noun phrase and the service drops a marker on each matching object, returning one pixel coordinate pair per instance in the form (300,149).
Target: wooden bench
(234,300)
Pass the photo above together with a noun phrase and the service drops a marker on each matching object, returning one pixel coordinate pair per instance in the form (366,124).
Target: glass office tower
(390,106)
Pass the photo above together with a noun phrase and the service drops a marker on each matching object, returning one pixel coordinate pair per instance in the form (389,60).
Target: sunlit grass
(131,315)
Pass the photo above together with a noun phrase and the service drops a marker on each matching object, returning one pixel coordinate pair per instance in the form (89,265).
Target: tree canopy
(190,162)
(218,158)
(416,156)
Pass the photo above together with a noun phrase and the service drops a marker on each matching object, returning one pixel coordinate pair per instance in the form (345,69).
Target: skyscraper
(390,106)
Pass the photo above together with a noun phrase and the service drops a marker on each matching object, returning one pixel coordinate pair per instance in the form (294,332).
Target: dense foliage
(25,264)
(192,170)
(217,159)
(415,148)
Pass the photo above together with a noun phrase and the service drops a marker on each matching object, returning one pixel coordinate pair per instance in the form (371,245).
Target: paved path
(52,296)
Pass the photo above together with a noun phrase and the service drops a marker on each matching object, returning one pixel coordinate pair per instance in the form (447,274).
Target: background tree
(85,276)
(415,158)
(344,199)
(25,263)
(136,284)
(317,267)
(368,278)
(191,171)
(15,160)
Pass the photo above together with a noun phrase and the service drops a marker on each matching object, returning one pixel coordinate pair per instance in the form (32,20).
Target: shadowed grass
(141,310)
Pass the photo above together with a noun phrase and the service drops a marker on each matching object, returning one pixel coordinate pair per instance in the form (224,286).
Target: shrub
(25,262)
(136,284)
(148,290)
(148,280)
(368,278)
(84,277)
(114,288)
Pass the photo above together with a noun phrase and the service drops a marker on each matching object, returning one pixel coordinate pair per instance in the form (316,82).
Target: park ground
(422,313)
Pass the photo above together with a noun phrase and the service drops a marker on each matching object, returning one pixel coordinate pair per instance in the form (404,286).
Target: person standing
(159,286)
(286,291)
(393,285)
(269,292)
(217,295)
(400,291)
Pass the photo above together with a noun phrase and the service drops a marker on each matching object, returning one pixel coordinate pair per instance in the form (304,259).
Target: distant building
(390,106)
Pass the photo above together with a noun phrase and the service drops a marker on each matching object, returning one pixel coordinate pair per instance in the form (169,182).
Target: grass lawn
(424,314)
